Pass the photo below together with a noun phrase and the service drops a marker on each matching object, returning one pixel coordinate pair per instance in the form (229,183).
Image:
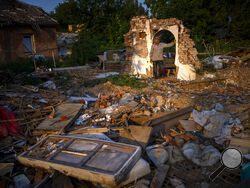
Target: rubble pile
(169,133)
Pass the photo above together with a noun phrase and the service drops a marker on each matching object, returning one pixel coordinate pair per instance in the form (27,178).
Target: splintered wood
(64,114)
(31,106)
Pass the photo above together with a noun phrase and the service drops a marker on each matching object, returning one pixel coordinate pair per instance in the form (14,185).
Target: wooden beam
(95,130)
(240,142)
(136,135)
(159,176)
(169,116)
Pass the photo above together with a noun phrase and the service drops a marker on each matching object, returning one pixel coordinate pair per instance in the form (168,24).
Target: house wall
(12,47)
(139,40)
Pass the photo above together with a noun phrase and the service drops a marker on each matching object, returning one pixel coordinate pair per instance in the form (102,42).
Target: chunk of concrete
(200,154)
(157,154)
(140,169)
(21,181)
(136,135)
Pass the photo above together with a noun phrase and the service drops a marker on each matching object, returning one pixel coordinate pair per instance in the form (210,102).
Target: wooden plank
(190,125)
(167,125)
(167,120)
(205,53)
(94,130)
(169,115)
(201,84)
(66,109)
(136,135)
(240,142)
(159,176)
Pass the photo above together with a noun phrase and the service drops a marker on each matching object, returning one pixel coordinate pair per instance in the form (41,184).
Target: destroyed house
(26,30)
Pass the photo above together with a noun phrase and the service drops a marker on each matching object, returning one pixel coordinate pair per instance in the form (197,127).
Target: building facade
(26,30)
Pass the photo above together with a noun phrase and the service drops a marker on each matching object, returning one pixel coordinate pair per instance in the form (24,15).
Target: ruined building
(139,40)
(25,30)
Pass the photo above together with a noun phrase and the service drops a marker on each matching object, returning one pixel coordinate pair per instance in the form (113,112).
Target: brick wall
(139,40)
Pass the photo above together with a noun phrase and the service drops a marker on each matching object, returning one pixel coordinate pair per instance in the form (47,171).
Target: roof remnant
(13,12)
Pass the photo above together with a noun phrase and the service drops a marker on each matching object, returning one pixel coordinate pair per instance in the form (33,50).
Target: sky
(49,5)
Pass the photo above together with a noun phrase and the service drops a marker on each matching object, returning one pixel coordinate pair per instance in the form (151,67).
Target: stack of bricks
(128,40)
(164,22)
(136,33)
(187,52)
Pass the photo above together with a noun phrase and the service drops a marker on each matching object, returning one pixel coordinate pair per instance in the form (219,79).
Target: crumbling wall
(139,40)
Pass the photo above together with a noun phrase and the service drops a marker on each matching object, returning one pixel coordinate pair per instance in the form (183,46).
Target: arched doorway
(168,67)
(139,41)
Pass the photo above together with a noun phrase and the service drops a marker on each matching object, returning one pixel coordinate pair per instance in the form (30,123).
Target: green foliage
(208,20)
(85,49)
(26,65)
(199,71)
(44,62)
(208,68)
(63,80)
(240,14)
(194,13)
(121,80)
(105,22)
(67,13)
(228,45)
(19,66)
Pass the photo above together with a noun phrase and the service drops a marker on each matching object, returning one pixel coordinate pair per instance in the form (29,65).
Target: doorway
(168,65)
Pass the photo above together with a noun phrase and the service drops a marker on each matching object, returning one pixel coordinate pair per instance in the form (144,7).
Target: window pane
(82,146)
(27,42)
(69,158)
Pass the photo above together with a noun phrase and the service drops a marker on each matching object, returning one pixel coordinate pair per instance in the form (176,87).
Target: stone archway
(139,40)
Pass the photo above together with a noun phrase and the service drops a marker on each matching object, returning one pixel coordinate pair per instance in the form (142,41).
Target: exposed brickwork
(187,52)
(138,42)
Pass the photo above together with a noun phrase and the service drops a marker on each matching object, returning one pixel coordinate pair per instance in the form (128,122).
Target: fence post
(53,58)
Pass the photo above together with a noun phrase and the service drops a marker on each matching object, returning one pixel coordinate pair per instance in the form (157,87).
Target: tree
(67,13)
(105,21)
(206,18)
(85,49)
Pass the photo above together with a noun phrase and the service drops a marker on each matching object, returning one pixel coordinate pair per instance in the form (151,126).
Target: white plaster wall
(186,71)
(174,30)
(141,65)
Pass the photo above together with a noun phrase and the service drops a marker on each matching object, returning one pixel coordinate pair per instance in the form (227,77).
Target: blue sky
(48,5)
